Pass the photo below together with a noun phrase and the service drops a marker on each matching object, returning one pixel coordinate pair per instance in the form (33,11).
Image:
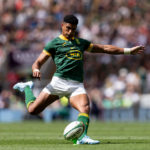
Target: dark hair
(71,19)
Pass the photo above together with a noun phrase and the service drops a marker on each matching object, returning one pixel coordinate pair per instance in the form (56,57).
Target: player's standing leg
(81,103)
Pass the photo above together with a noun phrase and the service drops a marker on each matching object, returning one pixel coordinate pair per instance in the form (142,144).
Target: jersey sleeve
(49,49)
(87,45)
(89,49)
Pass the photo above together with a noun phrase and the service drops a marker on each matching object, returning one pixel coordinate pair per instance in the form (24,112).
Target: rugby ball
(73,130)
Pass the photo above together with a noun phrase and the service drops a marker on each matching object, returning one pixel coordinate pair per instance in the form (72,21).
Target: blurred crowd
(112,81)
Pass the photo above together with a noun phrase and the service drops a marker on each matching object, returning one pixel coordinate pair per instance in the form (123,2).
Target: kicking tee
(68,56)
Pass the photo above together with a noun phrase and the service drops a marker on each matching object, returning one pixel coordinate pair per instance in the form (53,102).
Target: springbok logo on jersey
(74,54)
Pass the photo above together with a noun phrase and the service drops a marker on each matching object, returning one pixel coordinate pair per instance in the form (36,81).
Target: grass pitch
(49,136)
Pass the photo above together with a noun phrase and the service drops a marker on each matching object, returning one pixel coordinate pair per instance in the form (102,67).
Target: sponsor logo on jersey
(64,44)
(74,54)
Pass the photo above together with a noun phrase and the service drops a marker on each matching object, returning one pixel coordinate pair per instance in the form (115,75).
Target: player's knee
(32,111)
(85,108)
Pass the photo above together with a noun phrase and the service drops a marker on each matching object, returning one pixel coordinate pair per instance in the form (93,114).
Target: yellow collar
(64,38)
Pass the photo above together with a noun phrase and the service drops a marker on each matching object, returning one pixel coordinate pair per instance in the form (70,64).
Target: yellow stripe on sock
(29,103)
(84,114)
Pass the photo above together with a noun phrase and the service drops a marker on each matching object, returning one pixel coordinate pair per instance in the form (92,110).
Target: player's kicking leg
(81,103)
(33,104)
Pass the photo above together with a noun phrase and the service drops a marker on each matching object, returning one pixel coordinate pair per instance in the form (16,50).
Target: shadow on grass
(64,142)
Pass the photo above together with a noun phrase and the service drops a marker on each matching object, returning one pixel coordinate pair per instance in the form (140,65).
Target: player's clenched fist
(36,73)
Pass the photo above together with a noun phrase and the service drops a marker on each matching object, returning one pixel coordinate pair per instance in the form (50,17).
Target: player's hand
(36,73)
(137,50)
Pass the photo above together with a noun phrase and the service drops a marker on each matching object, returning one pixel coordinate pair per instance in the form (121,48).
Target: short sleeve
(49,49)
(87,45)
(89,49)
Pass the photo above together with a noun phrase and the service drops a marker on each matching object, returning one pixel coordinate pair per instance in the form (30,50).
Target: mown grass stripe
(49,136)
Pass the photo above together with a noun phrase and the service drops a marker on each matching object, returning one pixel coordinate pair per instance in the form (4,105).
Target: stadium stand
(118,87)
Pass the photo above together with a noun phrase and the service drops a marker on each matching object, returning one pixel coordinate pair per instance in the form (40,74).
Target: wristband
(36,70)
(127,51)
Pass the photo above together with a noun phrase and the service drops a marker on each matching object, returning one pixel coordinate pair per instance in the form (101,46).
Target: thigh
(41,102)
(81,103)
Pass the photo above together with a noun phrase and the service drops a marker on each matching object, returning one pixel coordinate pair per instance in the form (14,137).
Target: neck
(65,38)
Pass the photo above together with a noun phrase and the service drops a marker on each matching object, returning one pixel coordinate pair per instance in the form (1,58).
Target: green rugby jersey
(68,56)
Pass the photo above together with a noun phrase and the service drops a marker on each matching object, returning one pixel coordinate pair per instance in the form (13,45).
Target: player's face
(68,30)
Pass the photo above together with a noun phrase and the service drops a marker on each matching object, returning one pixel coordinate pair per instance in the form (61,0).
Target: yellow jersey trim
(46,52)
(84,114)
(64,38)
(90,48)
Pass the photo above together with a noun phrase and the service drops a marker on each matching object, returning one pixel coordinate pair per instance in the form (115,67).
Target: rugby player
(67,53)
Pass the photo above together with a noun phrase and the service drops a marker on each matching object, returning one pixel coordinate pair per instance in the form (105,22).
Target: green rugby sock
(29,97)
(83,117)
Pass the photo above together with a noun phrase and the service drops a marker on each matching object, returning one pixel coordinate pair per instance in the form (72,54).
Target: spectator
(26,25)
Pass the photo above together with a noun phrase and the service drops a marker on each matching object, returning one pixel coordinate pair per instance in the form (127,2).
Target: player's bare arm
(38,63)
(110,49)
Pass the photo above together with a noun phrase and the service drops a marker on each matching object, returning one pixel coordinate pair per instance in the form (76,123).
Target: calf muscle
(41,102)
